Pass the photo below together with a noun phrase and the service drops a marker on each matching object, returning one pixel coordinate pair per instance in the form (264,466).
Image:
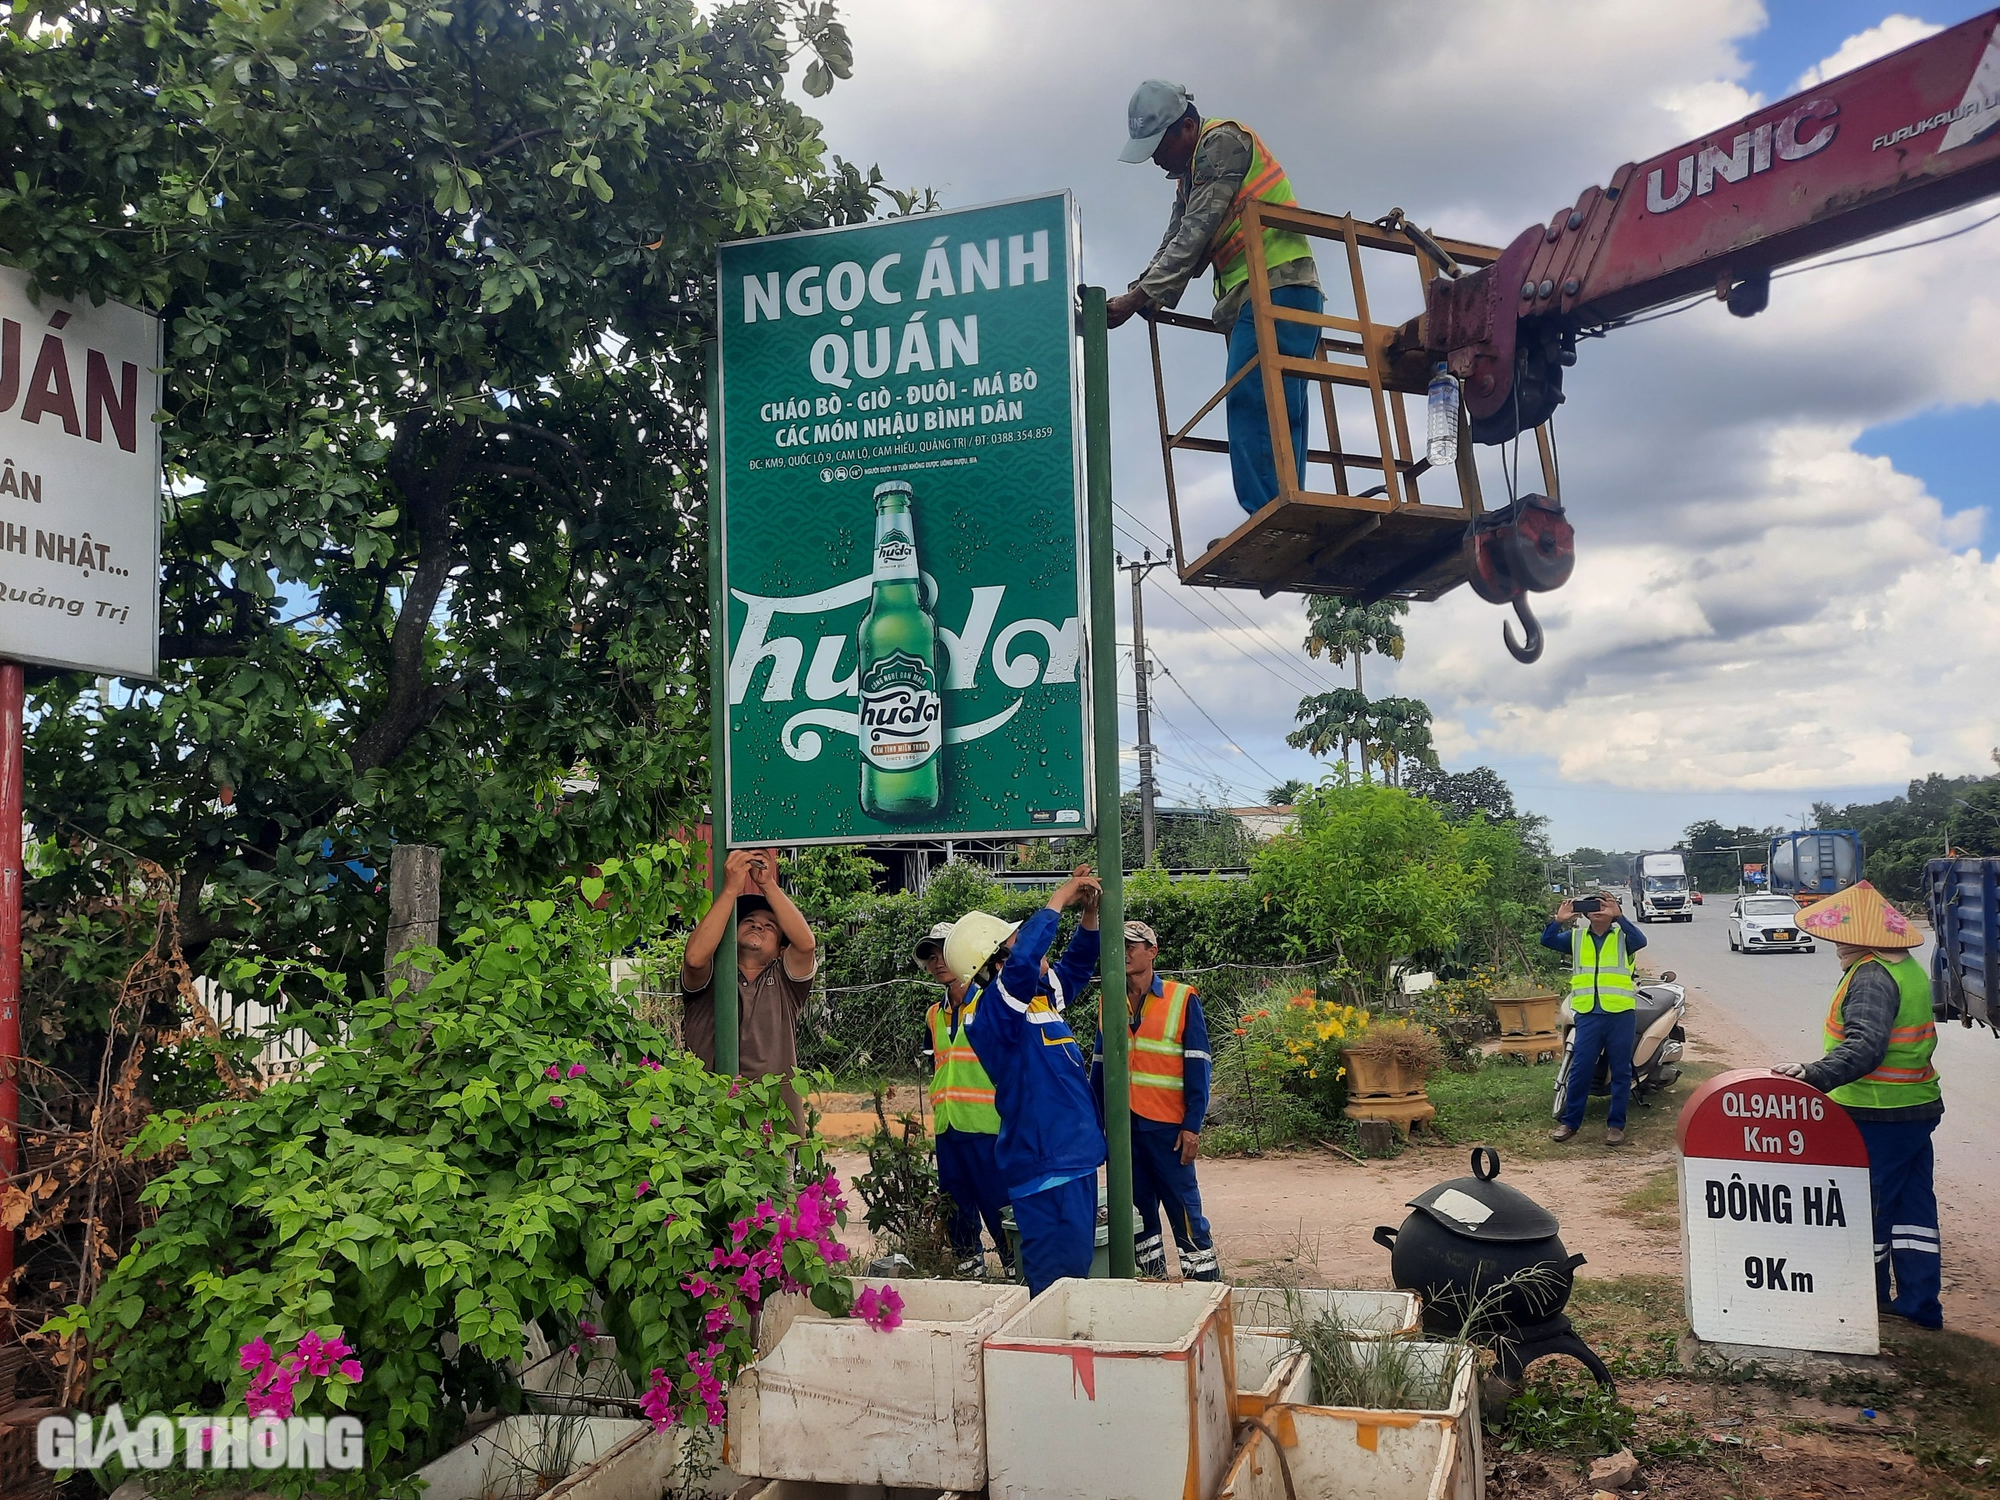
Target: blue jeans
(1160,1177)
(1900,1166)
(1251,462)
(1599,1032)
(966,1171)
(1058,1229)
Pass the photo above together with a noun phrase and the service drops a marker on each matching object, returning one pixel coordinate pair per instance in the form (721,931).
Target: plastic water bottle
(1443,419)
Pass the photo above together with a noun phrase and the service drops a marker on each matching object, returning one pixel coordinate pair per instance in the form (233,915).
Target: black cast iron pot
(1481,1254)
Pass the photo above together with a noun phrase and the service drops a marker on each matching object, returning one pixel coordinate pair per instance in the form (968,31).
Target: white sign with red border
(1777,1232)
(79,483)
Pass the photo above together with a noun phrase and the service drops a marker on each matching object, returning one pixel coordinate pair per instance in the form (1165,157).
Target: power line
(1217,603)
(1227,738)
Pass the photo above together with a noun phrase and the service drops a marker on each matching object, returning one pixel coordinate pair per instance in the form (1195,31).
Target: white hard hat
(975,937)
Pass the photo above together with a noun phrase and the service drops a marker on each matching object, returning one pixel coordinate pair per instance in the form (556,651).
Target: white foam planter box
(1270,1309)
(1112,1390)
(806,1489)
(835,1401)
(1361,1453)
(613,1458)
(1267,1365)
(560,1382)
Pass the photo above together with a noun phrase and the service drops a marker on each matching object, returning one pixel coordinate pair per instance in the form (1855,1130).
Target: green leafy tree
(1901,834)
(1285,793)
(1374,872)
(510,1146)
(1459,796)
(1389,731)
(434,284)
(1341,628)
(1399,735)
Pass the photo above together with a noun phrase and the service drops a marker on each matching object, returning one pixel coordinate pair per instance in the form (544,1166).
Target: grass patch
(1510,1106)
(1950,1398)
(1633,1322)
(1656,1202)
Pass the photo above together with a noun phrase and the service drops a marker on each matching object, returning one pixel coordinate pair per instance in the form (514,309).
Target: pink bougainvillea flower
(649,1064)
(656,1122)
(880,1309)
(577,1070)
(642,1189)
(351,1370)
(551,1071)
(314,1354)
(254,1355)
(555,1101)
(658,1402)
(735,1087)
(587,1328)
(892,1309)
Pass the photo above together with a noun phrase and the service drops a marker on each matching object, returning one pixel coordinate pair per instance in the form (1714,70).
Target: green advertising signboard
(901,483)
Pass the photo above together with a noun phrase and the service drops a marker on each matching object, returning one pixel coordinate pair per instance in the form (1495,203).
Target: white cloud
(1864,47)
(1756,607)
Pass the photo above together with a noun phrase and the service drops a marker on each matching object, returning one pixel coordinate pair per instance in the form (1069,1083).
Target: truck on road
(1962,899)
(1815,864)
(1660,890)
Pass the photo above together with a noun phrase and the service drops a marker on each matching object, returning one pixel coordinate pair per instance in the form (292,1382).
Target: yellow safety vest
(1157,1054)
(961,1093)
(1603,973)
(1266,182)
(1905,1075)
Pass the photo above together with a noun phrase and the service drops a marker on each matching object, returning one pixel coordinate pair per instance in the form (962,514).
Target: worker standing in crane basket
(1220,165)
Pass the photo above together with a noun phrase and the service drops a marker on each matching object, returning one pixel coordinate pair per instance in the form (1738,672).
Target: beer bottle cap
(892,487)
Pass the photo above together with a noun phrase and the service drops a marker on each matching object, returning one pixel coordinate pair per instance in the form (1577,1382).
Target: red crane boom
(1909,136)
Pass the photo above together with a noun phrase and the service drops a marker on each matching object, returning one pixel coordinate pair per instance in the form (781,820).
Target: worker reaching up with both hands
(1049,1146)
(1218,165)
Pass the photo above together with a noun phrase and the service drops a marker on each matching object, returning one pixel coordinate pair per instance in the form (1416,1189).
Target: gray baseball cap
(934,939)
(1156,106)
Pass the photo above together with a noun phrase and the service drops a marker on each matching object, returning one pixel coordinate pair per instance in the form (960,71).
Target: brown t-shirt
(766,1027)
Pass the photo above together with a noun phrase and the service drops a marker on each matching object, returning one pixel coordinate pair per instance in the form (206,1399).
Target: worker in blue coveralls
(1050,1145)
(1603,989)
(1169,1101)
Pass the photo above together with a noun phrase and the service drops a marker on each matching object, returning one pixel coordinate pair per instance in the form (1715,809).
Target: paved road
(1780,999)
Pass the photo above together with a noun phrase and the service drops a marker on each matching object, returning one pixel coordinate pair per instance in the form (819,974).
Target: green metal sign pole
(1110,815)
(718,736)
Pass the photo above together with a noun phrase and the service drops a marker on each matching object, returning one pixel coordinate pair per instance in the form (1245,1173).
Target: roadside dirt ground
(1306,1216)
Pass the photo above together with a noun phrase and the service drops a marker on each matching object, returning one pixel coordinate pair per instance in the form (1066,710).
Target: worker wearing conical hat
(1219,165)
(1880,1034)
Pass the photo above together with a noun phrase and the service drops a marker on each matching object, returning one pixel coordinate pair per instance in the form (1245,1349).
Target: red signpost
(12,713)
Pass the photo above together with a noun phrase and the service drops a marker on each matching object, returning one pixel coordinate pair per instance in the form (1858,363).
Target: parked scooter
(1660,1037)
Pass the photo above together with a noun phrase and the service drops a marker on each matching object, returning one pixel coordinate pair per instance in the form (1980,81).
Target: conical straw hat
(1860,917)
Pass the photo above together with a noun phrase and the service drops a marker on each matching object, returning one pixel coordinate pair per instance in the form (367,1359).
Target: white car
(1767,923)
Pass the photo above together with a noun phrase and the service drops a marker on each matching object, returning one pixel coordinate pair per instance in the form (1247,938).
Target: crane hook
(1531,650)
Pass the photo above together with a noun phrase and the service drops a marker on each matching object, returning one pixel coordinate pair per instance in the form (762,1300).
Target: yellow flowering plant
(1295,1040)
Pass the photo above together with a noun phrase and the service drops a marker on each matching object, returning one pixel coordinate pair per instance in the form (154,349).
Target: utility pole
(1141,673)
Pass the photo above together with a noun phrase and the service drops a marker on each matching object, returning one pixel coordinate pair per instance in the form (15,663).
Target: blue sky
(1764,508)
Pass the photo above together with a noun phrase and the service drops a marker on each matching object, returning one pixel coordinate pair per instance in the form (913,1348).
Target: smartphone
(1583,906)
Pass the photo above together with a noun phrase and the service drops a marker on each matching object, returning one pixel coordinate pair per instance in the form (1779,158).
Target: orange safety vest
(1157,1053)
(1265,182)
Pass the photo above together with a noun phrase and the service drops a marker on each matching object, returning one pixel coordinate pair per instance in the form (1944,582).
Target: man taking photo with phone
(1602,992)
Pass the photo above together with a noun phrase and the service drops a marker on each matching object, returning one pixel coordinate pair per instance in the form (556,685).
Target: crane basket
(1390,525)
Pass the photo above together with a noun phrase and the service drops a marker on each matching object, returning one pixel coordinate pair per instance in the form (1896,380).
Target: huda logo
(832,673)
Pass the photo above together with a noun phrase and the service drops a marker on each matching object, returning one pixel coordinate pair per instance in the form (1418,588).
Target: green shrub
(512,1145)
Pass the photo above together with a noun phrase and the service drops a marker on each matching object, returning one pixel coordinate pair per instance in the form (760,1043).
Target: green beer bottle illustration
(902,715)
